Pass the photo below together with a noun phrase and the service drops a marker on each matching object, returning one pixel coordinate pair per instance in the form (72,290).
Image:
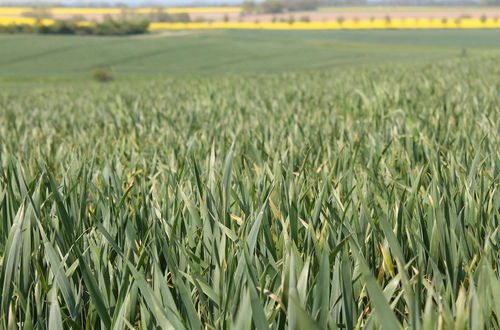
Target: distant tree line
(54,4)
(31,4)
(157,14)
(490,2)
(446,3)
(344,3)
(278,6)
(108,27)
(160,15)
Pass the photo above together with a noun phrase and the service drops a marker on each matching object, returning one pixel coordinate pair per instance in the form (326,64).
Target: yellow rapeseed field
(347,25)
(110,11)
(14,10)
(466,23)
(24,20)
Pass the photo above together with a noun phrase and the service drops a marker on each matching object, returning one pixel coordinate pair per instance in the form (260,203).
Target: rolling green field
(339,181)
(218,52)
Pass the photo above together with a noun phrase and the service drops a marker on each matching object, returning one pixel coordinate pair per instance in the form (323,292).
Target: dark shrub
(107,27)
(305,19)
(101,75)
(63,27)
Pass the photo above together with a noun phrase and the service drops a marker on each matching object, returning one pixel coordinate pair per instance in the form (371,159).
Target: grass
(356,196)
(231,51)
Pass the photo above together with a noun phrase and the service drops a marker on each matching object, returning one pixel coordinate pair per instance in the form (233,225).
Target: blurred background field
(241,14)
(294,13)
(218,52)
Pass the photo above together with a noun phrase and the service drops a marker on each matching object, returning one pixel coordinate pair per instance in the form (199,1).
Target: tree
(159,15)
(248,7)
(272,7)
(489,3)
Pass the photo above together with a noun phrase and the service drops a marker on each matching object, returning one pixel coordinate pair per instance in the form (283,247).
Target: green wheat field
(352,184)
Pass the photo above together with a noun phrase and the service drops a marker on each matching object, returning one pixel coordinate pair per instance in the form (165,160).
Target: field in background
(233,51)
(18,11)
(405,9)
(234,15)
(365,24)
(371,24)
(332,14)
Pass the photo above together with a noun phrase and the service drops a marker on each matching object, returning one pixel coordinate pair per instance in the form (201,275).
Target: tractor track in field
(53,51)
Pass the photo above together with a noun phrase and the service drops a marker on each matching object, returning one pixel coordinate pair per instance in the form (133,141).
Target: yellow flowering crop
(24,20)
(111,11)
(468,23)
(14,10)
(33,21)
(347,25)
